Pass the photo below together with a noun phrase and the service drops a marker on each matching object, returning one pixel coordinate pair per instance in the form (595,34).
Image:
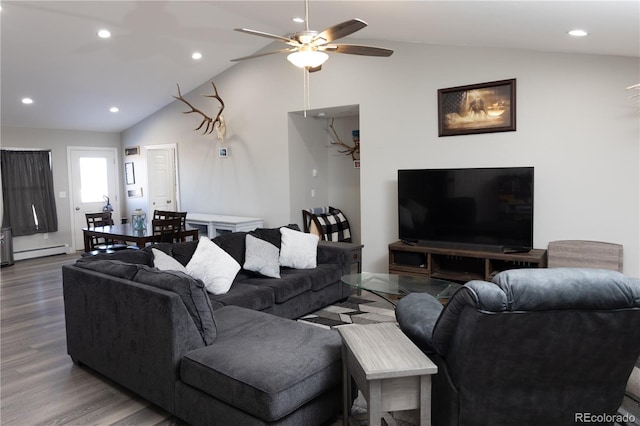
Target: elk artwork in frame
(477,108)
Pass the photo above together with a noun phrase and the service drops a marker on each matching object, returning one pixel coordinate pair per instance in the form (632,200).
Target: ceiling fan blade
(354,49)
(257,55)
(267,35)
(340,30)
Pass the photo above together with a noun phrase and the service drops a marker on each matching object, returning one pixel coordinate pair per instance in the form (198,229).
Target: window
(27,191)
(93,179)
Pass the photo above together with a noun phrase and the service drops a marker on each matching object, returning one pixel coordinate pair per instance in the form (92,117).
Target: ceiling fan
(307,48)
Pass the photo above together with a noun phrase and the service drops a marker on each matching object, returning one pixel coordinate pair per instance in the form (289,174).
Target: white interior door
(93,174)
(161,170)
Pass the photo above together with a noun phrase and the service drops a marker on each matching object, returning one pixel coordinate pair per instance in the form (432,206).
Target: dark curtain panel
(27,191)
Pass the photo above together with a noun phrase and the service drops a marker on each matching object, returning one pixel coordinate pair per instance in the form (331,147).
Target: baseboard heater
(41,252)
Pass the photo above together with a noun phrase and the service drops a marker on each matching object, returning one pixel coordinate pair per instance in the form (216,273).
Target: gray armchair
(533,347)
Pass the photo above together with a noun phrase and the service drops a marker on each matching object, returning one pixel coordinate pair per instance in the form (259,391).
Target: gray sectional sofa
(226,359)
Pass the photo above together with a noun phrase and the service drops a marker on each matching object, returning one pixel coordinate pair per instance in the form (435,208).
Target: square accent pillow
(262,257)
(214,266)
(298,250)
(164,262)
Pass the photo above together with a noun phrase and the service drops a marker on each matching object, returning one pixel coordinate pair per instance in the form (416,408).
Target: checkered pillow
(335,226)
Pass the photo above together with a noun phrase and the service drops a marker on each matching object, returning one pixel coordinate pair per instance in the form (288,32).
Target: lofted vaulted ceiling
(50,51)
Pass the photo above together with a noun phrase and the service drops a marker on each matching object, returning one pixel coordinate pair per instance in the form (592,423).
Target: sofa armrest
(132,333)
(334,252)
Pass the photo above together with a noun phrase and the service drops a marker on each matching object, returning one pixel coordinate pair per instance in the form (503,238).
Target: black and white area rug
(366,308)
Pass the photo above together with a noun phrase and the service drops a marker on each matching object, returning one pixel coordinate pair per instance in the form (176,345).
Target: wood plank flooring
(39,385)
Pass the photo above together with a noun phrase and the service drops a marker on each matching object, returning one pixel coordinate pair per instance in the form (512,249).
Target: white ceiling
(50,51)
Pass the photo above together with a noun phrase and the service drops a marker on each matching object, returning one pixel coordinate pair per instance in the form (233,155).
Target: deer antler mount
(209,124)
(353,151)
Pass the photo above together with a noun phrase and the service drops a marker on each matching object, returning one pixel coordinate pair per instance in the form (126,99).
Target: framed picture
(133,150)
(477,108)
(129,174)
(134,193)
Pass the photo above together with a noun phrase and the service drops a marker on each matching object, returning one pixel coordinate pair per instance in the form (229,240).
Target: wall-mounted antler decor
(353,151)
(210,124)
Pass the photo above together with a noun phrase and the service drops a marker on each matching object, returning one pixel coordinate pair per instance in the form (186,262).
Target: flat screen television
(475,208)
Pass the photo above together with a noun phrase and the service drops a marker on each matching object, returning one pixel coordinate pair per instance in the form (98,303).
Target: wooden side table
(390,371)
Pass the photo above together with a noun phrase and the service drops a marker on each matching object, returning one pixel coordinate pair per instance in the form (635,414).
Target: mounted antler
(350,150)
(211,124)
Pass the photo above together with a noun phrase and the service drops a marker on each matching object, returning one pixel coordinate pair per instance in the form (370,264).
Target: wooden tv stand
(458,265)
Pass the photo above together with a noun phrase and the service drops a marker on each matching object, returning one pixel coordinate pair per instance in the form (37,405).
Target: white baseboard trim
(41,252)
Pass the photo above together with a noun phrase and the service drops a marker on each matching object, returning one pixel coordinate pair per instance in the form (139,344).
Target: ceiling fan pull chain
(307,102)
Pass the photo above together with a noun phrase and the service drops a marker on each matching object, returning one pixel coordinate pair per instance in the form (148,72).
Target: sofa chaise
(210,359)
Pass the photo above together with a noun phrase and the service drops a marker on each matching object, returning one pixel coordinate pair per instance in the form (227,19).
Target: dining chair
(165,214)
(99,243)
(167,230)
(328,223)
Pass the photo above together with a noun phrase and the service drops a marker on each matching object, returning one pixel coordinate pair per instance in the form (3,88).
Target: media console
(459,265)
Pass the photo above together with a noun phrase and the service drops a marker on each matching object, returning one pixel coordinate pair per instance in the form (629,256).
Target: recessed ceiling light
(196,55)
(298,20)
(104,34)
(578,33)
(114,109)
(27,101)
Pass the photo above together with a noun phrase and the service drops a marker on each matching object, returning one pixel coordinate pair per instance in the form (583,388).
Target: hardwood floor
(39,385)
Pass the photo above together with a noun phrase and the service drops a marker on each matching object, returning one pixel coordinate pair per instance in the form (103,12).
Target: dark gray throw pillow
(192,293)
(129,256)
(116,268)
(272,235)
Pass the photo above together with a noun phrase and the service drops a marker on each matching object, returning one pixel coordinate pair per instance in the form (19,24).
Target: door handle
(168,201)
(77,208)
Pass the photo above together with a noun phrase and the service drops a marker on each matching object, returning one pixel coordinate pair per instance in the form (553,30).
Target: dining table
(127,234)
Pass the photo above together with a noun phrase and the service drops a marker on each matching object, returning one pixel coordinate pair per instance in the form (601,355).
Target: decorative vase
(139,220)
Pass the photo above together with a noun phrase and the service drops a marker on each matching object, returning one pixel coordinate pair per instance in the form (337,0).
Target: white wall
(344,178)
(575,125)
(57,141)
(336,183)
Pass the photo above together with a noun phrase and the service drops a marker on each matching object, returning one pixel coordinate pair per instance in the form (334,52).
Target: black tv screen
(490,208)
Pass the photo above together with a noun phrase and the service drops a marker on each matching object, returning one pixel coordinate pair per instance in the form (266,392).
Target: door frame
(115,151)
(176,170)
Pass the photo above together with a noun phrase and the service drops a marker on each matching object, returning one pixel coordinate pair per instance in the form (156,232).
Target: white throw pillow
(214,266)
(298,250)
(262,257)
(164,262)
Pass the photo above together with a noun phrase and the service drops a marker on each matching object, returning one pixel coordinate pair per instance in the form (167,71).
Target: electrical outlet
(313,193)
(45,236)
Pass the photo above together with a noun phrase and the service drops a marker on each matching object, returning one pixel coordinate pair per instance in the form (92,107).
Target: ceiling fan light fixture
(307,58)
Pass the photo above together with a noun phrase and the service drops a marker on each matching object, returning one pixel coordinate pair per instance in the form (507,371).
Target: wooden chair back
(96,220)
(167,230)
(165,214)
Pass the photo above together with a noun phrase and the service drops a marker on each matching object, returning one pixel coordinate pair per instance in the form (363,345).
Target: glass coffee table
(400,285)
